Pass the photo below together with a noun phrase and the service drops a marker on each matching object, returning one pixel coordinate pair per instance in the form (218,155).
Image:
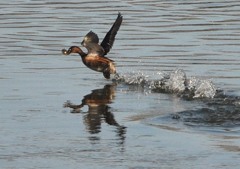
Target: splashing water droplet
(205,89)
(177,80)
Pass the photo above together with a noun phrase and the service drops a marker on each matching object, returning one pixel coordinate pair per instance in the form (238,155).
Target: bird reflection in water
(98,110)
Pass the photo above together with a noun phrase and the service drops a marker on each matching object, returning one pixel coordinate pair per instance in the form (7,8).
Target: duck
(95,58)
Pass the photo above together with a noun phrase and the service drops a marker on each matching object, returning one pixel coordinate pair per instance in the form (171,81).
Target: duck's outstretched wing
(90,41)
(91,37)
(108,40)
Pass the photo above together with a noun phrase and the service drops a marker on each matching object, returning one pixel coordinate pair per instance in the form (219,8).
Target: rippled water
(175,103)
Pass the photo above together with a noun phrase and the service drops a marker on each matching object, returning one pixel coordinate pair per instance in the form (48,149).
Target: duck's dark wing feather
(95,49)
(108,40)
(90,42)
(91,37)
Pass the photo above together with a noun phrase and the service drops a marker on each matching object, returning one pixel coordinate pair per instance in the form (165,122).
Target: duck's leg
(106,73)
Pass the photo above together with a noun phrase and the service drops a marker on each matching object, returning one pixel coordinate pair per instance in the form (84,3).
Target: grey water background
(136,127)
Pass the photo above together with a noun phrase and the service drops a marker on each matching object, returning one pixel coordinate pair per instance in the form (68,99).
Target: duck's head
(72,49)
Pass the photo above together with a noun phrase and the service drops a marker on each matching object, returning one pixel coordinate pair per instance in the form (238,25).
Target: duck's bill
(64,51)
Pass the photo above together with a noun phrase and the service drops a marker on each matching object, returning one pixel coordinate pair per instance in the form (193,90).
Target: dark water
(175,104)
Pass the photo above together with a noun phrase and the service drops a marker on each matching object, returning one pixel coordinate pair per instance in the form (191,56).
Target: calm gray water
(138,123)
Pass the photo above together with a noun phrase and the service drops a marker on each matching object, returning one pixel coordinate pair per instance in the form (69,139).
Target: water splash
(201,88)
(175,82)
(220,110)
(132,78)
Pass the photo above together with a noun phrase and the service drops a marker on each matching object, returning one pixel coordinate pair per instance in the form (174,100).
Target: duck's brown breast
(99,64)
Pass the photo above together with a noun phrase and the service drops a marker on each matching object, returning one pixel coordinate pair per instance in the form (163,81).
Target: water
(175,103)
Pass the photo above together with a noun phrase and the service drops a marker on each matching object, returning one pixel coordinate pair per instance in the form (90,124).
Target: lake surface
(175,103)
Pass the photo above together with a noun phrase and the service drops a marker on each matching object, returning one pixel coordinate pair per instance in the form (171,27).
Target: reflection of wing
(108,40)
